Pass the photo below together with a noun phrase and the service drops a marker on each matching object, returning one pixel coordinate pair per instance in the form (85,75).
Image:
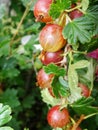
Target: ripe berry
(43,79)
(51,38)
(85,90)
(41,11)
(58,118)
(51,57)
(75,13)
(78,128)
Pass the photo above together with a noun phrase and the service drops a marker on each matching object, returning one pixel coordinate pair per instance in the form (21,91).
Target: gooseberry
(58,118)
(43,79)
(51,57)
(51,38)
(41,11)
(75,13)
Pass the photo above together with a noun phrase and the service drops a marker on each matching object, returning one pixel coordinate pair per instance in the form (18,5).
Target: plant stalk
(19,25)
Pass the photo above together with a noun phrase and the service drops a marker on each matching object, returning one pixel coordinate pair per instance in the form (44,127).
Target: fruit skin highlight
(41,11)
(75,14)
(43,79)
(58,118)
(51,38)
(51,57)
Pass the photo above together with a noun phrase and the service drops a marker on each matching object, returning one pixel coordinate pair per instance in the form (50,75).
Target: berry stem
(62,19)
(88,116)
(79,52)
(68,18)
(82,117)
(76,7)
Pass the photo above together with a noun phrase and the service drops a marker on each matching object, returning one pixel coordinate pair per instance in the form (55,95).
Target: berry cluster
(54,46)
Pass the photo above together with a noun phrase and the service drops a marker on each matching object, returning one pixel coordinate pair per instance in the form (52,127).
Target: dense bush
(20,54)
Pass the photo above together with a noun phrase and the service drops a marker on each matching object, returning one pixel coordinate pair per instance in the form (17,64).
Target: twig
(78,122)
(19,25)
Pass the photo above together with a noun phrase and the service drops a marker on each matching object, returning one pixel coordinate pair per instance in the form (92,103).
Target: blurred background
(19,64)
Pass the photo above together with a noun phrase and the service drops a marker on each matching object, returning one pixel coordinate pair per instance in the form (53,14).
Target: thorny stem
(82,117)
(19,25)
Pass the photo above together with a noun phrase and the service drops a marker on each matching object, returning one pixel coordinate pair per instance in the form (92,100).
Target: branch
(78,122)
(19,25)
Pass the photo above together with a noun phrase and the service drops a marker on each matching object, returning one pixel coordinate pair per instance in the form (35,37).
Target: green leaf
(81,64)
(73,79)
(47,98)
(84,101)
(5,112)
(28,101)
(58,7)
(83,106)
(9,73)
(34,27)
(4,45)
(78,31)
(58,129)
(85,4)
(92,45)
(54,69)
(92,15)
(63,82)
(26,2)
(10,97)
(58,88)
(73,84)
(2,10)
(6,128)
(90,73)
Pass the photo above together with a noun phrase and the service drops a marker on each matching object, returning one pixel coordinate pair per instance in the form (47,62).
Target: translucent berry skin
(51,57)
(75,14)
(41,11)
(51,38)
(43,79)
(78,128)
(58,118)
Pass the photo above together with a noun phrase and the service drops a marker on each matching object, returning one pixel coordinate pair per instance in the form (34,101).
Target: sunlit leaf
(47,98)
(6,128)
(73,84)
(81,64)
(2,10)
(5,112)
(85,4)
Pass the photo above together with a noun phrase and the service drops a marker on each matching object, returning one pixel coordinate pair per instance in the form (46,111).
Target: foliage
(19,64)
(5,116)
